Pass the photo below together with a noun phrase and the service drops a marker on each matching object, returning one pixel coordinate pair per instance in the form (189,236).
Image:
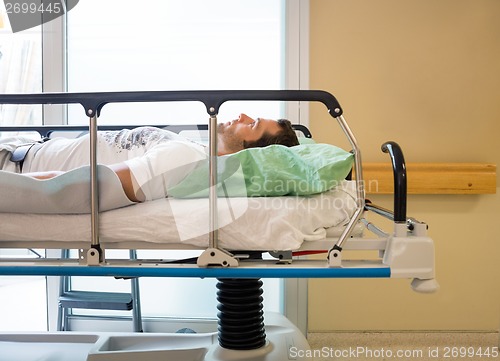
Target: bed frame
(405,252)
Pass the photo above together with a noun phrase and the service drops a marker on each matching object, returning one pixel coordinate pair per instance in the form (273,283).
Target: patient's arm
(121,170)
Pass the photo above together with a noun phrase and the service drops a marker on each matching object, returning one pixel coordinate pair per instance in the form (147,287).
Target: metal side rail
(250,269)
(93,103)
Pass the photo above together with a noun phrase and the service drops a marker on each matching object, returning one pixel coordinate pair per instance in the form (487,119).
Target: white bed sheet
(272,223)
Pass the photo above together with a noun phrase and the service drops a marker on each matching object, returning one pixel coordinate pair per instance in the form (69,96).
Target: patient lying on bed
(148,161)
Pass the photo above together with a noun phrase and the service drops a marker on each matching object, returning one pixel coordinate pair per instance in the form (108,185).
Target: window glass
(127,45)
(20,70)
(23,301)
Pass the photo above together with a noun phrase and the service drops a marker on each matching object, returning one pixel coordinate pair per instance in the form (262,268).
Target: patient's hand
(44,175)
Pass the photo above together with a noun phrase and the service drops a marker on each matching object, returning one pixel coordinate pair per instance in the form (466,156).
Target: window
(20,70)
(125,45)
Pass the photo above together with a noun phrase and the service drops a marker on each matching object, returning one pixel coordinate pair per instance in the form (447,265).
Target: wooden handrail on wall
(433,178)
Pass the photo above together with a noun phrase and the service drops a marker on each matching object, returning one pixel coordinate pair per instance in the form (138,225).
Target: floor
(424,346)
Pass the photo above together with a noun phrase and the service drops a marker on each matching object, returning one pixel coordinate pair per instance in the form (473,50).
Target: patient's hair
(286,137)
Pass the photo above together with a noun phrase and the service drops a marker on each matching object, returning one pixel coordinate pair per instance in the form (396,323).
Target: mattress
(259,223)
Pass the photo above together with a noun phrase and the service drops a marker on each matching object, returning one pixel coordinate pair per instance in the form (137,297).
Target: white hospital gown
(158,159)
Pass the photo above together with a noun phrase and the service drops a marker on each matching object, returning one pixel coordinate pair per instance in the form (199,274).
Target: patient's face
(233,133)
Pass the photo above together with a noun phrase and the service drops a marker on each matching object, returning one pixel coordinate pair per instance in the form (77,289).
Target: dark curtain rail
(213,99)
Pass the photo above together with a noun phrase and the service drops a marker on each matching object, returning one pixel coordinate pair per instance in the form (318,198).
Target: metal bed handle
(400,180)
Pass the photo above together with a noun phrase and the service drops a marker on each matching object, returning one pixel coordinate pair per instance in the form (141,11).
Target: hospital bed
(228,240)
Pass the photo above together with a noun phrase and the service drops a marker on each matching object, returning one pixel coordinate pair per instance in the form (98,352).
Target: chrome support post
(95,254)
(212,195)
(380,211)
(213,255)
(334,255)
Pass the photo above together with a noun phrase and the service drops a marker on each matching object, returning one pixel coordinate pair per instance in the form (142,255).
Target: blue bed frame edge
(198,272)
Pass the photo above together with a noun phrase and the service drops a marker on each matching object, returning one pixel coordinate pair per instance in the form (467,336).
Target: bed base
(283,342)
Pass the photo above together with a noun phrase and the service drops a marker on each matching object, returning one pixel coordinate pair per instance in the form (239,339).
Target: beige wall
(425,73)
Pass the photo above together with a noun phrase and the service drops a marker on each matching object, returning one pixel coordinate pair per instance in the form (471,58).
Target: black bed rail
(400,180)
(213,99)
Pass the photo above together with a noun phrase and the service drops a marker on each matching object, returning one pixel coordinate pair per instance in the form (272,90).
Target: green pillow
(274,170)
